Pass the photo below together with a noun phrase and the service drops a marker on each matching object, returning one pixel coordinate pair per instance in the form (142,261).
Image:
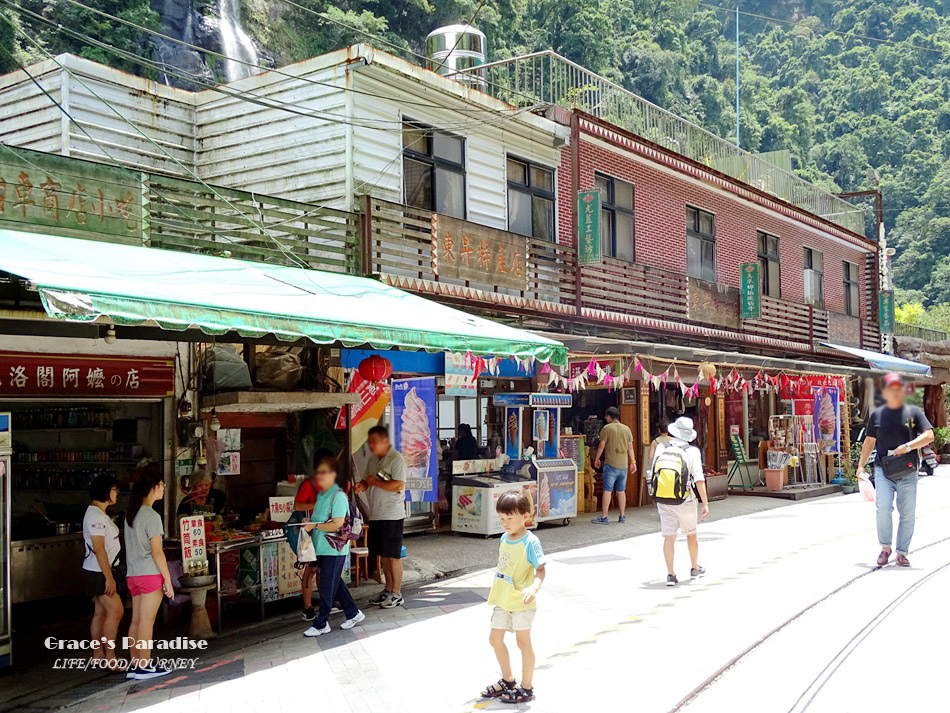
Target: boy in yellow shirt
(514,588)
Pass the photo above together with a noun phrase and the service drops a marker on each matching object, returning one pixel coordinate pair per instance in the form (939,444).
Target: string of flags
(789,385)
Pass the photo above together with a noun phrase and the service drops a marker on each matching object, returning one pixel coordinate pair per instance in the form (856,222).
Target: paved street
(609,632)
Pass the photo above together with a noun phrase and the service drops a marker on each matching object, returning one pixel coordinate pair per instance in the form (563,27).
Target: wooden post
(366,236)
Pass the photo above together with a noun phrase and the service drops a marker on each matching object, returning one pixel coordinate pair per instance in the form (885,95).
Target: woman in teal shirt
(329,514)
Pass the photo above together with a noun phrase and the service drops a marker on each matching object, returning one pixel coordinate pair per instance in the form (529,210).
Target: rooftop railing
(546,77)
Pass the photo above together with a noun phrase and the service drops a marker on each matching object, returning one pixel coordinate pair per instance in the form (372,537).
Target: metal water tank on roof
(455,48)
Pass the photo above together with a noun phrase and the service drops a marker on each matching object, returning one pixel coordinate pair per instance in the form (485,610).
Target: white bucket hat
(682,428)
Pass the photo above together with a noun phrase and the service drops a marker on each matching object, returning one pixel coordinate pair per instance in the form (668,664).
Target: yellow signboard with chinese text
(478,254)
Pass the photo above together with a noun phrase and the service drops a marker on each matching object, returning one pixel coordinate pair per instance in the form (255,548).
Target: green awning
(82,280)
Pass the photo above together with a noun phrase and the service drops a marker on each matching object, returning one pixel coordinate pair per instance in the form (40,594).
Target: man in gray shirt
(384,486)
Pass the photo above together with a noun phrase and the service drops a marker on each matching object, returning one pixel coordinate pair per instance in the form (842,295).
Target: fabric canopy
(883,362)
(82,280)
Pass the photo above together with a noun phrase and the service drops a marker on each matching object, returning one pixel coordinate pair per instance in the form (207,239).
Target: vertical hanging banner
(827,417)
(588,228)
(374,398)
(886,310)
(414,422)
(750,301)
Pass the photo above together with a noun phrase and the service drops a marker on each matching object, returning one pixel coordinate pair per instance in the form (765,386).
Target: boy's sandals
(499,689)
(518,695)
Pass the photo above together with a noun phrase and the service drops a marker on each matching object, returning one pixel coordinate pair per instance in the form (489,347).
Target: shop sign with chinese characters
(588,228)
(844,330)
(478,254)
(886,308)
(751,304)
(712,303)
(69,196)
(193,548)
(83,375)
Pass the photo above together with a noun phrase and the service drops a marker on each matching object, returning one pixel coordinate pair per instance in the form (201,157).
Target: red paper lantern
(375,368)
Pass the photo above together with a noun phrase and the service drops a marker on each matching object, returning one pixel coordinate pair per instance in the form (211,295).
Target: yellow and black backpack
(671,478)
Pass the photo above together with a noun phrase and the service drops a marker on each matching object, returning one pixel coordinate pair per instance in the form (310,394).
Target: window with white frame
(616,217)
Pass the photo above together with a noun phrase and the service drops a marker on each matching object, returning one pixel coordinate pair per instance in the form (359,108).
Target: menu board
(193,548)
(574,447)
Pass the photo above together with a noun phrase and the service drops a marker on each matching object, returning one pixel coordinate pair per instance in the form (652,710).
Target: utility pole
(737,76)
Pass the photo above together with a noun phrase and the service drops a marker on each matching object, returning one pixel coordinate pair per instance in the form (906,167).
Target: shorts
(385,538)
(93,583)
(615,479)
(512,620)
(678,518)
(145,584)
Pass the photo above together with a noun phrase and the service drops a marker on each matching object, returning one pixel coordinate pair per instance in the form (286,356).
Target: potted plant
(941,444)
(850,477)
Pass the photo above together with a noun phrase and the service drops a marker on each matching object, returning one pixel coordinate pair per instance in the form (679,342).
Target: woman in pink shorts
(147,570)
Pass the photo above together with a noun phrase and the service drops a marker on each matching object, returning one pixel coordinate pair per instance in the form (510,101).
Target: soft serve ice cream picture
(826,419)
(416,444)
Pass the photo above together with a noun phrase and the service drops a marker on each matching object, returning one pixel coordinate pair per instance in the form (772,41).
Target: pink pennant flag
(545,368)
(592,366)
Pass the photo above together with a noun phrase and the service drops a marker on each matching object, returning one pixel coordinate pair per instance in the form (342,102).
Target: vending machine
(6,630)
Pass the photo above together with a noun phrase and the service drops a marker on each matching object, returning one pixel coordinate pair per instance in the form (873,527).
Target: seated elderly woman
(202,498)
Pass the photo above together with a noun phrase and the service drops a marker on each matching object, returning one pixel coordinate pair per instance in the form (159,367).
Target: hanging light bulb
(215,423)
(110,334)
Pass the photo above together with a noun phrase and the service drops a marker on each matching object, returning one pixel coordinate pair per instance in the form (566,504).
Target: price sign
(281,508)
(193,547)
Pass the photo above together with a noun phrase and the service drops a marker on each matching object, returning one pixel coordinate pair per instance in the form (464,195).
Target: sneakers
(697,571)
(671,580)
(902,560)
(350,623)
(600,520)
(394,600)
(131,672)
(314,631)
(381,597)
(143,674)
(309,614)
(622,519)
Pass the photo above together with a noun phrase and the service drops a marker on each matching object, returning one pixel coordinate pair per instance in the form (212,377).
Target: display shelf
(64,428)
(75,462)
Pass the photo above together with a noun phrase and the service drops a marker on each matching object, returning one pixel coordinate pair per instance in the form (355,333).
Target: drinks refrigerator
(6,632)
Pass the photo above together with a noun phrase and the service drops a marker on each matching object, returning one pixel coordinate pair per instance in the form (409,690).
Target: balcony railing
(547,78)
(186,216)
(398,242)
(903,329)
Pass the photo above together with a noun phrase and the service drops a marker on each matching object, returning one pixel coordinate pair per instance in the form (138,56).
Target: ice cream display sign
(513,432)
(459,375)
(827,415)
(556,493)
(414,421)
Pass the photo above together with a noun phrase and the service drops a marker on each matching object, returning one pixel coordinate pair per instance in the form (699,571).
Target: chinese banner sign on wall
(415,430)
(886,308)
(85,376)
(750,303)
(844,330)
(374,398)
(39,189)
(476,253)
(712,303)
(588,228)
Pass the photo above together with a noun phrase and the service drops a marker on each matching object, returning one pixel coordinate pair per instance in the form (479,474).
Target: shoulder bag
(896,467)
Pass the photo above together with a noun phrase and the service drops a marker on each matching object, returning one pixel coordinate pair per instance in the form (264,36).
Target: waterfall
(234,41)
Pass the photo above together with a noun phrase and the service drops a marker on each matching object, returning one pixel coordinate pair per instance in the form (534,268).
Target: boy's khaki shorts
(512,620)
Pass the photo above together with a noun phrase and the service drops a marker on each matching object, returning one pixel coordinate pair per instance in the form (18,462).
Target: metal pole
(737,76)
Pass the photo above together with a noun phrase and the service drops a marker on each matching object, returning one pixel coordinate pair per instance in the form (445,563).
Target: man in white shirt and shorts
(682,517)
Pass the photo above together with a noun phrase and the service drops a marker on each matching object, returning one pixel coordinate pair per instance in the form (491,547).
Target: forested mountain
(843,84)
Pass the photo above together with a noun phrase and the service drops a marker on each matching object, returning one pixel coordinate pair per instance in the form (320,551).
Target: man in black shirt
(894,429)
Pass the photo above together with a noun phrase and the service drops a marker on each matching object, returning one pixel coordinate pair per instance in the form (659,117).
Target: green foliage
(941,438)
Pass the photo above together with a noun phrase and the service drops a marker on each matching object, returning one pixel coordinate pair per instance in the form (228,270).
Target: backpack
(351,529)
(671,477)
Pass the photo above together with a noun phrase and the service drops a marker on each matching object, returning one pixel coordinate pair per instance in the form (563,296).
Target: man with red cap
(895,429)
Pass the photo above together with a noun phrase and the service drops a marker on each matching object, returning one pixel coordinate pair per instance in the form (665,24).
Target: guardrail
(548,78)
(903,329)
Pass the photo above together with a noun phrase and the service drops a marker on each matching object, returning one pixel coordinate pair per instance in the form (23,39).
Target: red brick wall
(660,200)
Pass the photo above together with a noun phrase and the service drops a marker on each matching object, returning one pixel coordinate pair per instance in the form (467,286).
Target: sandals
(499,689)
(518,695)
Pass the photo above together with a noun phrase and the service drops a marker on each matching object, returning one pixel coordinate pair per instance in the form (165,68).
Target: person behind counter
(101,538)
(329,515)
(202,498)
(147,576)
(466,447)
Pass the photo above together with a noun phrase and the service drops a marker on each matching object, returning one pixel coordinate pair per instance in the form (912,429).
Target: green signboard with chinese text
(886,305)
(70,197)
(751,302)
(588,228)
